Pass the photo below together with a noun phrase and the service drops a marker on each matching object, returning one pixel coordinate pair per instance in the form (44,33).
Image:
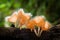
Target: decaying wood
(26,34)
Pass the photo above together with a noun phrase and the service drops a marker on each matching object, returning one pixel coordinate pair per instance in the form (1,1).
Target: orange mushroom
(47,26)
(30,24)
(39,20)
(23,18)
(13,18)
(36,21)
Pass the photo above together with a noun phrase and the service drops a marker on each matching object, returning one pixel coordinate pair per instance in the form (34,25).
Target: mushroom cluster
(24,20)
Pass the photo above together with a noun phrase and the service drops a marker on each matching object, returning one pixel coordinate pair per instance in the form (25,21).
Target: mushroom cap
(30,24)
(13,17)
(23,17)
(47,26)
(39,20)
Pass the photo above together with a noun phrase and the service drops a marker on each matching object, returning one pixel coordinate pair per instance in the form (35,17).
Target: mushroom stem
(38,34)
(35,32)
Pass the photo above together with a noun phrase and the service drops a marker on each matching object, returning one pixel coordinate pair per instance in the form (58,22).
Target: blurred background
(49,8)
